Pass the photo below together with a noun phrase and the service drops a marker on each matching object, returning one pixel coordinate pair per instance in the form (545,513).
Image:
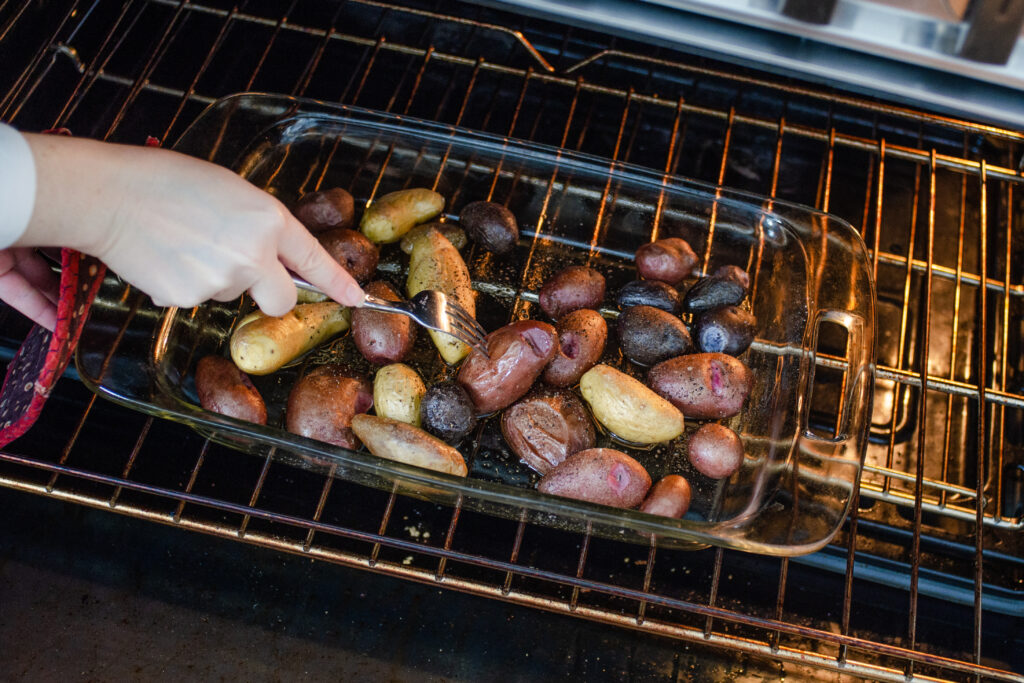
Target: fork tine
(466,318)
(468,335)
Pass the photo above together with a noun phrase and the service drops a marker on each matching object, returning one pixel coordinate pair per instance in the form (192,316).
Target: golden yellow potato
(394,440)
(397,392)
(392,215)
(628,408)
(262,344)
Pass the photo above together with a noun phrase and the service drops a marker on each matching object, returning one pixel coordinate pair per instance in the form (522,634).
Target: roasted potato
(547,426)
(382,337)
(262,344)
(728,329)
(629,409)
(734,273)
(715,451)
(452,232)
(322,403)
(670,497)
(392,215)
(436,264)
(704,386)
(670,260)
(447,412)
(516,355)
(225,389)
(352,251)
(326,210)
(397,393)
(402,442)
(713,292)
(571,289)
(581,338)
(652,293)
(598,475)
(490,225)
(649,335)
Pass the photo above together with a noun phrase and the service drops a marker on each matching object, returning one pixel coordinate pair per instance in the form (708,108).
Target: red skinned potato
(581,338)
(225,389)
(571,289)
(705,386)
(516,355)
(325,210)
(670,260)
(670,497)
(352,251)
(382,337)
(547,426)
(322,403)
(599,475)
(715,451)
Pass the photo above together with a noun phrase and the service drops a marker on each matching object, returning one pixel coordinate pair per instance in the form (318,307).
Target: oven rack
(112,70)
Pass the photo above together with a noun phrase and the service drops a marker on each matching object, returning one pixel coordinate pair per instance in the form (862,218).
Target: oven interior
(926,577)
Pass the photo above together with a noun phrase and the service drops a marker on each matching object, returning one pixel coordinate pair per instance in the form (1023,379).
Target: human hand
(28,285)
(178,228)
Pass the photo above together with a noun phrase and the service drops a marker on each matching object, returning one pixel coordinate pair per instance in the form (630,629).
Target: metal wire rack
(925,581)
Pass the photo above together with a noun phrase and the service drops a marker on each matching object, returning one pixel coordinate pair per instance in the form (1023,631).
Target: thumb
(274,292)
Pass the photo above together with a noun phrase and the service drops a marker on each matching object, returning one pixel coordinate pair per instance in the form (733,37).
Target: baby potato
(670,497)
(326,210)
(705,386)
(670,260)
(397,393)
(452,232)
(654,293)
(713,292)
(581,338)
(322,403)
(598,475)
(516,355)
(436,264)
(225,389)
(399,441)
(491,225)
(546,427)
(571,289)
(447,412)
(262,344)
(382,337)
(649,335)
(715,451)
(392,215)
(728,329)
(352,251)
(628,408)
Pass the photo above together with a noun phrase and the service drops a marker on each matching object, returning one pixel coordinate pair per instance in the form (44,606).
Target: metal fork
(430,308)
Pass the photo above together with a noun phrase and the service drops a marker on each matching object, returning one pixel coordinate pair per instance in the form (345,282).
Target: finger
(23,297)
(274,293)
(300,251)
(38,273)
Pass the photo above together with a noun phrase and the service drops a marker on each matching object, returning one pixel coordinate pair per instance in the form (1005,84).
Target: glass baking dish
(812,293)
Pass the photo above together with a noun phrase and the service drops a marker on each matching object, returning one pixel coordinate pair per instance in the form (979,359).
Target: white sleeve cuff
(17,185)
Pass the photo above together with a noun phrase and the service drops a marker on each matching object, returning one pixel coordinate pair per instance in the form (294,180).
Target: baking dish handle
(857,366)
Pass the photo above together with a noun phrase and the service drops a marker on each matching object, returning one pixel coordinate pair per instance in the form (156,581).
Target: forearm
(17,185)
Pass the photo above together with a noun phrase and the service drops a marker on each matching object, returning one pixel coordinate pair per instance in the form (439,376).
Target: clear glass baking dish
(810,274)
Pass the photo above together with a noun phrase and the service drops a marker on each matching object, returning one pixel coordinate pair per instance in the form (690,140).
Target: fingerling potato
(629,409)
(399,441)
(397,393)
(225,389)
(599,475)
(262,344)
(392,215)
(452,232)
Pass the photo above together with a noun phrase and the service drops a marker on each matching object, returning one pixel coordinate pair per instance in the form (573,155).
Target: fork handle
(367,298)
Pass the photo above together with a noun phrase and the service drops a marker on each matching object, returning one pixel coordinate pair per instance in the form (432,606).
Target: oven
(925,580)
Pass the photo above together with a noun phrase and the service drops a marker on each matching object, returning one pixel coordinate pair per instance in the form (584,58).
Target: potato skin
(451,231)
(705,386)
(713,292)
(491,225)
(649,335)
(397,393)
(322,403)
(352,251)
(225,389)
(326,210)
(547,426)
(402,442)
(581,338)
(728,329)
(516,355)
(669,497)
(715,451)
(382,337)
(649,293)
(670,260)
(599,475)
(571,289)
(392,215)
(447,412)
(435,263)
(261,344)
(628,408)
